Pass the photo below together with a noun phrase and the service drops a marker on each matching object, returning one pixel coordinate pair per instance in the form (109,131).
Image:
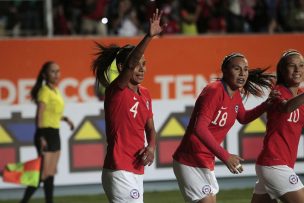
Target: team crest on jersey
(148,105)
(236,108)
(134,194)
(293,179)
(206,189)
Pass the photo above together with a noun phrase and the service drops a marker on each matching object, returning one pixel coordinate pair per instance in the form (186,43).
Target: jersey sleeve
(207,105)
(43,95)
(246,116)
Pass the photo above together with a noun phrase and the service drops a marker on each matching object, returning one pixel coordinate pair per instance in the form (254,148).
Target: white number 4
(134,109)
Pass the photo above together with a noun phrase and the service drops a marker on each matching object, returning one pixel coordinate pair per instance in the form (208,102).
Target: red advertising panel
(176,66)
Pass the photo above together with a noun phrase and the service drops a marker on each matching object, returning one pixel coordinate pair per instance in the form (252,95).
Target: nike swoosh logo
(134,98)
(224,107)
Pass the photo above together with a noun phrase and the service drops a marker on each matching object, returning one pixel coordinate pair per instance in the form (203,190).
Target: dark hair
(282,64)
(39,80)
(257,78)
(104,59)
(228,58)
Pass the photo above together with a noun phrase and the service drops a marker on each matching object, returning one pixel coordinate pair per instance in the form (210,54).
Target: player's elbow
(244,120)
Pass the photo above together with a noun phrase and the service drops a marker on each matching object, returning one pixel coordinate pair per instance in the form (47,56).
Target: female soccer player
(128,113)
(50,106)
(215,111)
(285,120)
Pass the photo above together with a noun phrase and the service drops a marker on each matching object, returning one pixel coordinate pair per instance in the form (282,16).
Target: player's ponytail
(39,80)
(257,81)
(105,56)
(105,65)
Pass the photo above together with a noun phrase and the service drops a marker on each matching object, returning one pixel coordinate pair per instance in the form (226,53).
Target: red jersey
(283,133)
(126,115)
(213,115)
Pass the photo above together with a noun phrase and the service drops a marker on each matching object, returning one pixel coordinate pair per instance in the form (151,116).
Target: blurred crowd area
(131,17)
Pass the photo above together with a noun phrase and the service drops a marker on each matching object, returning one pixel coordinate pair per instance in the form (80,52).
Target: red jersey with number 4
(126,115)
(214,114)
(283,133)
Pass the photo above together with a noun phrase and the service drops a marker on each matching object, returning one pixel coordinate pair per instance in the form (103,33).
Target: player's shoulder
(214,87)
(44,89)
(279,87)
(282,89)
(143,90)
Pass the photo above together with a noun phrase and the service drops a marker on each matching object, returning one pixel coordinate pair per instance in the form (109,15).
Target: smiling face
(139,72)
(235,73)
(53,74)
(293,71)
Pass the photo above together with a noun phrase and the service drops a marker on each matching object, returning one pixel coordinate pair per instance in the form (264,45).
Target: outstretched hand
(155,27)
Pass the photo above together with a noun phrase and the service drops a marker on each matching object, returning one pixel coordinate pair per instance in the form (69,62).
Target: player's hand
(273,96)
(71,124)
(146,156)
(234,165)
(155,27)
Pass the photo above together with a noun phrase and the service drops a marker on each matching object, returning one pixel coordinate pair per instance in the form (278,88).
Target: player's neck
(134,88)
(228,89)
(51,86)
(294,90)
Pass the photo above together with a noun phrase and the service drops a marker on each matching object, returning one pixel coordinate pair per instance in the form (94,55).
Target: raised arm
(136,54)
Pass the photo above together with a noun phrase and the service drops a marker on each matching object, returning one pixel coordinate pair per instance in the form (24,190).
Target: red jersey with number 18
(213,115)
(283,133)
(126,115)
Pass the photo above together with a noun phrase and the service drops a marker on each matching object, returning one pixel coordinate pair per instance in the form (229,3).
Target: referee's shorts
(52,138)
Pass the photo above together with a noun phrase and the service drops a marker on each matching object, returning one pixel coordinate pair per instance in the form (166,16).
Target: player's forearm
(39,121)
(252,114)
(138,51)
(293,104)
(210,142)
(151,139)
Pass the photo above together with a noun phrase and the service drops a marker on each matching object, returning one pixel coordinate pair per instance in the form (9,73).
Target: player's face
(139,71)
(236,73)
(294,70)
(53,74)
